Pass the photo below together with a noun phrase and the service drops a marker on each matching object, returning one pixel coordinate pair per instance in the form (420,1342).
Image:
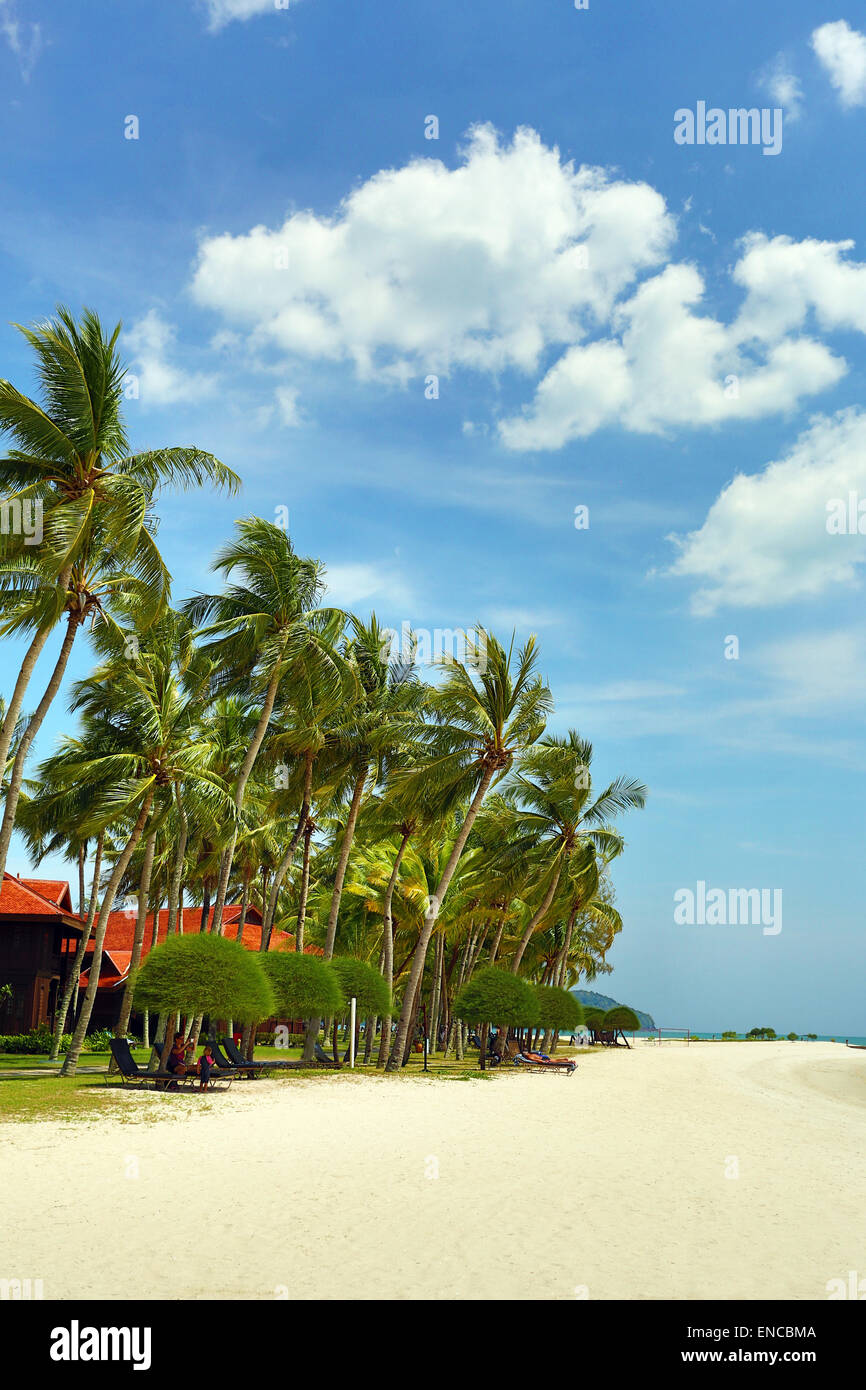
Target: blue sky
(670,335)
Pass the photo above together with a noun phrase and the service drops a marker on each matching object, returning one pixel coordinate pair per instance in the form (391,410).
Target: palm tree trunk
(437,990)
(305,888)
(28,665)
(75,973)
(138,939)
(245,899)
(388,948)
(535,919)
(33,726)
(286,861)
(345,850)
(417,966)
(71,1062)
(82,861)
(240,789)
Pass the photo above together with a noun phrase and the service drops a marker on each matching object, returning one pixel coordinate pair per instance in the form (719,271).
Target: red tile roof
(34,897)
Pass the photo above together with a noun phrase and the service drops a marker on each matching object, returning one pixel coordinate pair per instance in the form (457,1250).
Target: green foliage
(364,983)
(622,1018)
(304,986)
(205,974)
(497,996)
(32,1044)
(729,1036)
(761,1033)
(793,1037)
(559,1008)
(593,1018)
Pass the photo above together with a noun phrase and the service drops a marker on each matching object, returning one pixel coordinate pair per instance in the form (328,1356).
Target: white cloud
(515,258)
(426,268)
(358,585)
(765,540)
(150,343)
(841,51)
(783,87)
(287,406)
(24,39)
(222,12)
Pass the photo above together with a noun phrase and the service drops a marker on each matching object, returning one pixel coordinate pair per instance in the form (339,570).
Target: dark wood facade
(34,963)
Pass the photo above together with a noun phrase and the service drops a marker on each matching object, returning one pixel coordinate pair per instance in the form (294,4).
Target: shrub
(497,996)
(364,983)
(305,986)
(31,1044)
(205,974)
(559,1010)
(621,1019)
(593,1018)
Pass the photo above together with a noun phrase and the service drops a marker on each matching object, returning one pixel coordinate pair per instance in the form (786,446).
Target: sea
(680,1034)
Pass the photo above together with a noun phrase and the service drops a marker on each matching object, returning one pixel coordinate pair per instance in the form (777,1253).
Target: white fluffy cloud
(518,260)
(150,343)
(765,539)
(428,268)
(222,12)
(841,51)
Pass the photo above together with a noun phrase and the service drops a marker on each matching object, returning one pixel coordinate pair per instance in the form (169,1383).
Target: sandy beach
(620,1182)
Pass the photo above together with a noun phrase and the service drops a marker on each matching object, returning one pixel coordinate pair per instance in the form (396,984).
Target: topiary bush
(364,983)
(621,1019)
(497,996)
(205,974)
(559,1010)
(305,986)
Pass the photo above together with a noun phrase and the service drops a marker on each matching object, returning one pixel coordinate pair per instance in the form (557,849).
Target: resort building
(39,934)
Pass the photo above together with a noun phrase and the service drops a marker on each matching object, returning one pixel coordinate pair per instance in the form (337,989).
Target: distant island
(603,1001)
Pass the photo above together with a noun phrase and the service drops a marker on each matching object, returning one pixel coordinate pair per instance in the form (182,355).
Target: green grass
(85,1096)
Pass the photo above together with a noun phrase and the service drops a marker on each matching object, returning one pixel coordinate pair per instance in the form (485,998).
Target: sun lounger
(131,1074)
(234,1056)
(239,1067)
(535,1061)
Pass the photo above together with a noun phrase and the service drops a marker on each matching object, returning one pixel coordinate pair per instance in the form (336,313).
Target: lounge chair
(324,1060)
(131,1073)
(536,1061)
(239,1067)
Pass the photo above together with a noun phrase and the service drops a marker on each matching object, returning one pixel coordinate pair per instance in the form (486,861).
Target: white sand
(613,1181)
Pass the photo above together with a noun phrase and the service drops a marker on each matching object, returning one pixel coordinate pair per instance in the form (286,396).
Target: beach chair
(131,1073)
(237,1067)
(324,1060)
(536,1062)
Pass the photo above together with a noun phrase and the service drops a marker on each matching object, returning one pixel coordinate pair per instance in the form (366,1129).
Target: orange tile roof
(24,897)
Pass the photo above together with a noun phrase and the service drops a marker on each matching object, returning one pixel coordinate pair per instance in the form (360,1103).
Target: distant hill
(603,1001)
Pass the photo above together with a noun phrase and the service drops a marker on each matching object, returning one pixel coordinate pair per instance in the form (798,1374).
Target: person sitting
(205,1064)
(177,1058)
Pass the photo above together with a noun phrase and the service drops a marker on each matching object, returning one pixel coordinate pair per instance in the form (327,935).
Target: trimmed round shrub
(303,986)
(593,1017)
(560,1011)
(497,996)
(205,974)
(621,1019)
(364,983)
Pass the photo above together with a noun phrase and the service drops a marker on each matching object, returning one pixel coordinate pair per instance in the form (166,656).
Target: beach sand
(613,1183)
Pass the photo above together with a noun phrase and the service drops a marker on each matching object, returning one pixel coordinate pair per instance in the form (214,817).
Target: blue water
(822,1037)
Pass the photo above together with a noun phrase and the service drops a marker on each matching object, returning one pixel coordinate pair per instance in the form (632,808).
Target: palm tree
(261,630)
(553,813)
(481,719)
(72,458)
(157,746)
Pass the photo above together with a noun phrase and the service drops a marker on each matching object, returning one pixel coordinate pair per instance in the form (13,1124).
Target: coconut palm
(261,630)
(481,719)
(71,457)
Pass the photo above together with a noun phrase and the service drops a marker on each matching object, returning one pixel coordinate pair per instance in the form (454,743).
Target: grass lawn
(50,1096)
